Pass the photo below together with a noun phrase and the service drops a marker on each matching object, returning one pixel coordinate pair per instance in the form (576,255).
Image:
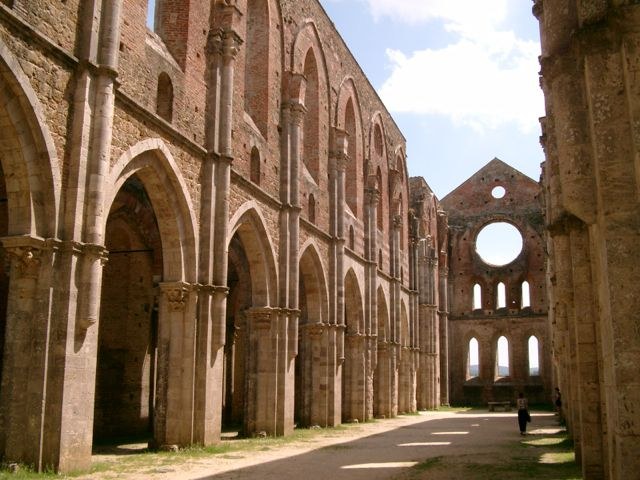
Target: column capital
(177,294)
(224,42)
(260,317)
(373,195)
(397,222)
(297,112)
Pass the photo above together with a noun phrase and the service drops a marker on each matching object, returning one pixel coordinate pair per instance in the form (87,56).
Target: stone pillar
(261,412)
(23,394)
(176,350)
(443,314)
(372,196)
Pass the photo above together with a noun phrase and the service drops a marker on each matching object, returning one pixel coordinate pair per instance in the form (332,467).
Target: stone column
(261,412)
(23,394)
(176,375)
(335,334)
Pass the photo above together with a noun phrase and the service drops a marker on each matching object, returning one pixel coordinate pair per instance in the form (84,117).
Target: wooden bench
(505,405)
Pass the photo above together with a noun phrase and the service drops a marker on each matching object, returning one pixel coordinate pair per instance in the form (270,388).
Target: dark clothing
(523,418)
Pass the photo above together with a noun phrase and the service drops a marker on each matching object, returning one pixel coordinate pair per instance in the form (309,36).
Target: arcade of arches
(228,238)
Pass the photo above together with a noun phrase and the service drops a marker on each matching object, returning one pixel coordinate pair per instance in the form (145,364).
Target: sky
(460,78)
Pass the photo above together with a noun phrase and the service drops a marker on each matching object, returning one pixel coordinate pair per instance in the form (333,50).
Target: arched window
(352,238)
(311,133)
(256,64)
(381,192)
(164,98)
(477,296)
(312,209)
(473,359)
(502,358)
(534,361)
(526,298)
(351,187)
(502,296)
(255,166)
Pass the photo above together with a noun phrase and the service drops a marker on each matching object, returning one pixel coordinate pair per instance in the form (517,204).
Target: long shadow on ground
(472,445)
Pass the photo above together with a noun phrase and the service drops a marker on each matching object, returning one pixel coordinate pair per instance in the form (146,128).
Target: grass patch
(153,460)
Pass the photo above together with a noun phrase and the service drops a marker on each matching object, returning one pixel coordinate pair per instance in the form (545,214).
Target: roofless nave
(213,225)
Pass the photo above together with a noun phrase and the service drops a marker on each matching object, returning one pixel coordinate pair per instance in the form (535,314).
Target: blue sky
(458,76)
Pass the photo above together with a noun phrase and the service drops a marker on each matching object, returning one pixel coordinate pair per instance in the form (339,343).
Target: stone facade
(496,194)
(206,225)
(591,181)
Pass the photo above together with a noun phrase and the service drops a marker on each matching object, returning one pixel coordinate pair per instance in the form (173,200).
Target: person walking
(558,401)
(523,413)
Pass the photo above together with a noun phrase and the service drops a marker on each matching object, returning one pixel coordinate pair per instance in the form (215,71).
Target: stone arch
(312,273)
(399,193)
(152,162)
(406,376)
(405,335)
(308,60)
(382,402)
(27,154)
(354,308)
(349,119)
(310,375)
(128,330)
(353,368)
(249,224)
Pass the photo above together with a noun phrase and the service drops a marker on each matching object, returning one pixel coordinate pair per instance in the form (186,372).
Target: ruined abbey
(209,224)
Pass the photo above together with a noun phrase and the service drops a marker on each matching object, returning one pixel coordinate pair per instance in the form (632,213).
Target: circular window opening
(498,192)
(499,243)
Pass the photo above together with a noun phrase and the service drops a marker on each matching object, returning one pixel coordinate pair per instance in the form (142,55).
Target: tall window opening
(380,213)
(502,296)
(477,296)
(473,359)
(534,360)
(380,259)
(352,165)
(526,295)
(502,358)
(151,15)
(352,238)
(255,166)
(164,98)
(312,209)
(256,65)
(312,118)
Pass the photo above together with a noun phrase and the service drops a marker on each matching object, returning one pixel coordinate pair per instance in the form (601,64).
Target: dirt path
(446,444)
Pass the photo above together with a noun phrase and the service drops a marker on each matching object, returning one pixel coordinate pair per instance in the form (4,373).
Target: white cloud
(458,14)
(485,79)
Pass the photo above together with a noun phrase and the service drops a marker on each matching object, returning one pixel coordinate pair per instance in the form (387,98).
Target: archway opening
(382,380)
(235,349)
(405,374)
(309,395)
(353,368)
(128,327)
